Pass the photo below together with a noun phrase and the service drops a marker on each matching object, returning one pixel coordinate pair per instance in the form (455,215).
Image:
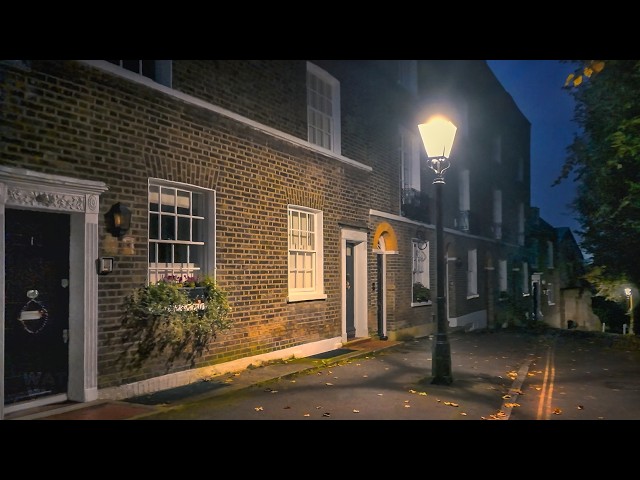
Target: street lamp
(437,135)
(627,292)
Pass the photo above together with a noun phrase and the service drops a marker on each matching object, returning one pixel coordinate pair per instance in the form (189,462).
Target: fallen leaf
(506,396)
(258,409)
(580,407)
(422,393)
(511,405)
(318,408)
(380,394)
(356,411)
(406,405)
(557,411)
(328,383)
(326,414)
(365,376)
(412,391)
(463,413)
(306,415)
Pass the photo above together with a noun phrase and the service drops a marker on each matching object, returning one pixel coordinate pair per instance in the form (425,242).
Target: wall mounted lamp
(118,220)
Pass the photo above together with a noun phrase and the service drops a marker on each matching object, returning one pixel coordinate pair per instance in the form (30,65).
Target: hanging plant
(177,316)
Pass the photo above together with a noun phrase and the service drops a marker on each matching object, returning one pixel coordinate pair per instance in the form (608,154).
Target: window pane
(180,253)
(153,226)
(149,69)
(153,248)
(196,255)
(132,65)
(168,200)
(168,226)
(164,253)
(197,204)
(154,198)
(183,228)
(183,203)
(197,232)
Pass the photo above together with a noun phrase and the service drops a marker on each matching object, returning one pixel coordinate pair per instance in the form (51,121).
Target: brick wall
(70,119)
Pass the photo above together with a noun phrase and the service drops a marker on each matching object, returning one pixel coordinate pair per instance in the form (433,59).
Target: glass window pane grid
(181,258)
(302,254)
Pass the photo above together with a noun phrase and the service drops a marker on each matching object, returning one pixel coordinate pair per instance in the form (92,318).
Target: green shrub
(168,316)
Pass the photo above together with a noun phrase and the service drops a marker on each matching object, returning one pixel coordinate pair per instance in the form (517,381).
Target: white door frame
(26,189)
(359,239)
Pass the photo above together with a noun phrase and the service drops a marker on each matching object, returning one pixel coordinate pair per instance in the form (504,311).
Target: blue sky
(536,87)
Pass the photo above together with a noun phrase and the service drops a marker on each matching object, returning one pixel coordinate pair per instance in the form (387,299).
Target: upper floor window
(408,75)
(181,231)
(497,214)
(521,224)
(323,109)
(305,254)
(472,273)
(409,159)
(157,70)
(549,254)
(464,200)
(420,272)
(502,275)
(551,297)
(525,278)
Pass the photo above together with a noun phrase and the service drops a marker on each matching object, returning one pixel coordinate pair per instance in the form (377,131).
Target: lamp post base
(441,360)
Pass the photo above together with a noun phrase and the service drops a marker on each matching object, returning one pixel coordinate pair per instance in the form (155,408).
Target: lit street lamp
(627,292)
(437,135)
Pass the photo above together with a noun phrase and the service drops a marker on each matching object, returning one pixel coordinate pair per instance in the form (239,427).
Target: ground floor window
(181,231)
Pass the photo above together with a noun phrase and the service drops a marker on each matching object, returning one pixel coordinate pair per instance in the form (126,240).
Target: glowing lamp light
(437,135)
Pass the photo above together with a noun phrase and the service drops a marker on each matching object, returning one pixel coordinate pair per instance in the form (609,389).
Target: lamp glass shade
(118,220)
(437,135)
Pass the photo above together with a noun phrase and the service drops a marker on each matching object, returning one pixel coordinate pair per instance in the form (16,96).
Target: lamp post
(629,295)
(437,135)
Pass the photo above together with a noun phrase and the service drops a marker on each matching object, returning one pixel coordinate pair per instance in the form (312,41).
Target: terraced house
(300,186)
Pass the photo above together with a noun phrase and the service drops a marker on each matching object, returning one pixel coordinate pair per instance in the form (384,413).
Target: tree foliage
(605,160)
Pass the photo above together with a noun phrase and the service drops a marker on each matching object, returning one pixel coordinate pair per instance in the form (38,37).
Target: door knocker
(32,313)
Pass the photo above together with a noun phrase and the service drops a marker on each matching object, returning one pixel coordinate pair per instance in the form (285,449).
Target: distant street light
(437,135)
(629,295)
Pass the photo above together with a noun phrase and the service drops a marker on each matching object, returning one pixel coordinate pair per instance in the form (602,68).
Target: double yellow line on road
(546,393)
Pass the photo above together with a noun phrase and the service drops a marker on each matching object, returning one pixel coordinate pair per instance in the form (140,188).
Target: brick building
(301,186)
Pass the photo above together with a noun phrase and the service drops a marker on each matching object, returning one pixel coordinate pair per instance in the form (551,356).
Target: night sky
(536,87)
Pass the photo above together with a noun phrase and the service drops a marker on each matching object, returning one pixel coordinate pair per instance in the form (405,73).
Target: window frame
(316,292)
(207,265)
(162,70)
(333,119)
(424,275)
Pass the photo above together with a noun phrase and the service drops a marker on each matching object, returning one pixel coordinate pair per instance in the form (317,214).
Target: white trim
(360,281)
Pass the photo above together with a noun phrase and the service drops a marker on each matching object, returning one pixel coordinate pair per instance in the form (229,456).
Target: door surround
(359,239)
(29,190)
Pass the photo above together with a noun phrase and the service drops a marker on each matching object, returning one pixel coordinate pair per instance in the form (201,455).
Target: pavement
(370,380)
(486,366)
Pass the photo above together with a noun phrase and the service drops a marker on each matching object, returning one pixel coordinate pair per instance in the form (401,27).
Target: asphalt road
(505,375)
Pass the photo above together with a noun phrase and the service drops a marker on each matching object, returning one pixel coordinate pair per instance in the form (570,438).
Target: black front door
(36,304)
